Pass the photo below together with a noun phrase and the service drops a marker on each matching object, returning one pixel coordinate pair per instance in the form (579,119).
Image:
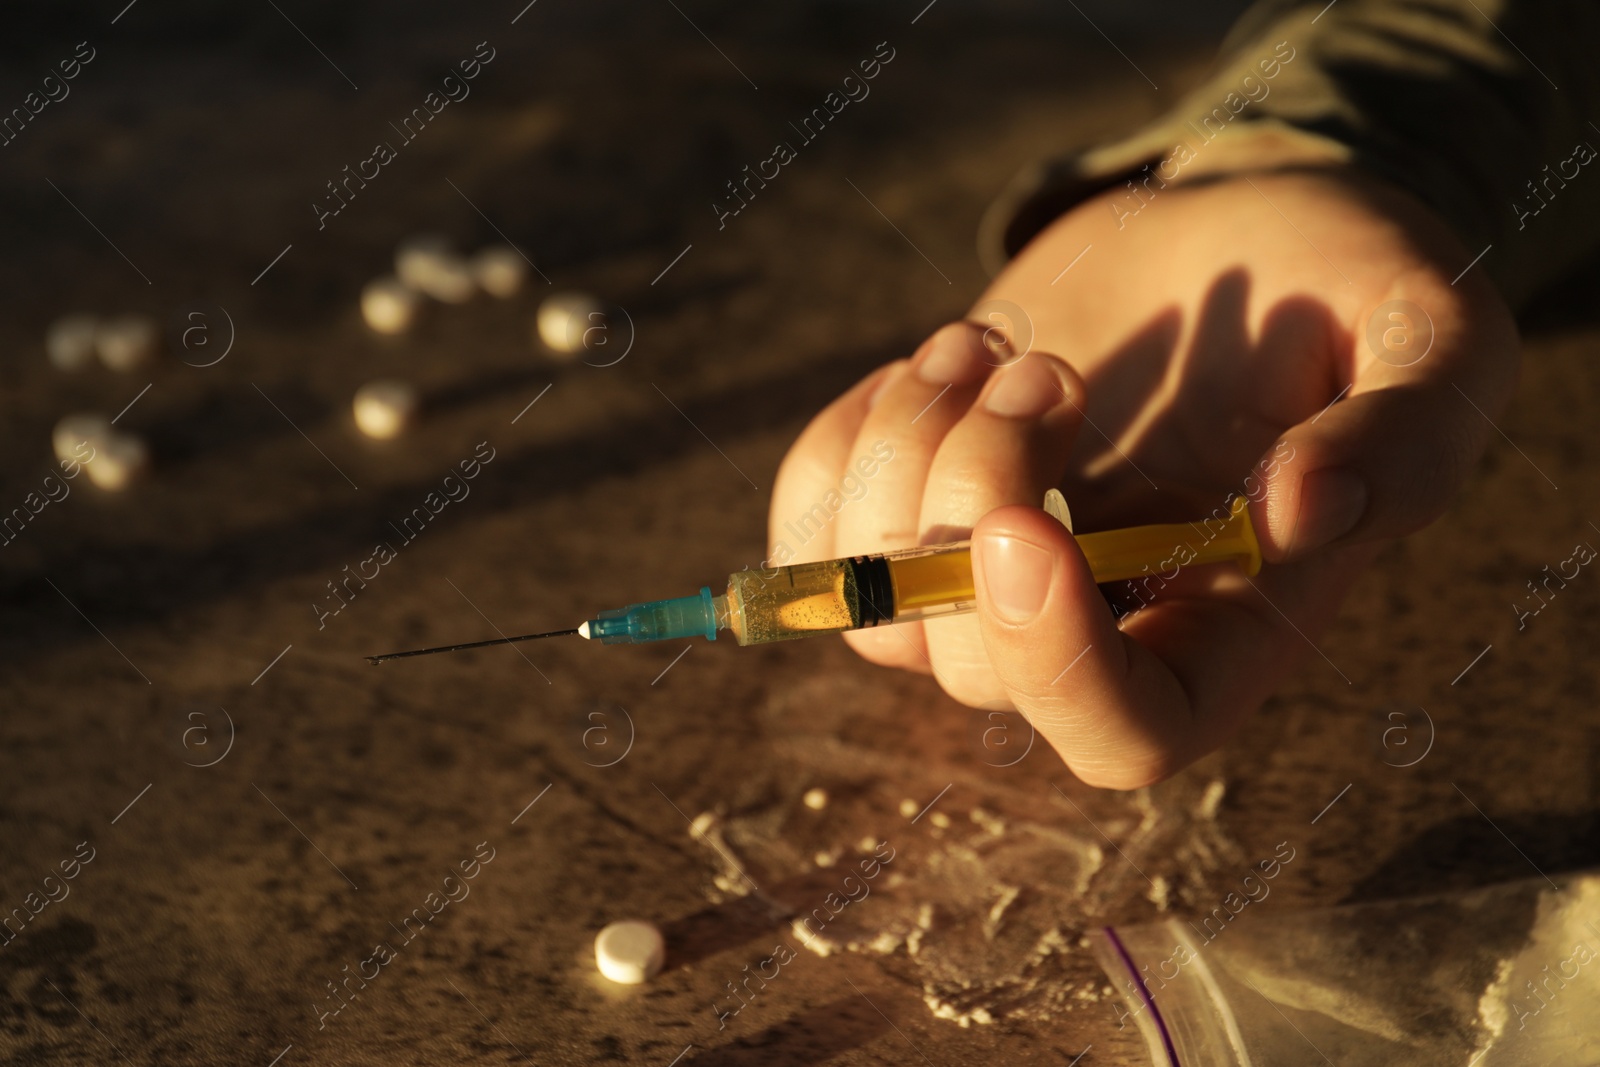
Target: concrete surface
(262,808)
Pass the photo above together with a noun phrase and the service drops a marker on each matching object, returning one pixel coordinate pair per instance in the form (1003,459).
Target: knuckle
(965,683)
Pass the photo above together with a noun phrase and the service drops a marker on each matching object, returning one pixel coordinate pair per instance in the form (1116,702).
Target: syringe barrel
(832,596)
(1145,551)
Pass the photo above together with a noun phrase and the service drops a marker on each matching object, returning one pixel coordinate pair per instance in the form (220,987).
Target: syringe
(837,595)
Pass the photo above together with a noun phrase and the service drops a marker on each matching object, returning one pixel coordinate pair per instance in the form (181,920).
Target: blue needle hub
(657,620)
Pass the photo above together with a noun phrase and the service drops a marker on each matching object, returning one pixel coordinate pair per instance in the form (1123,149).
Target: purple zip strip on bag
(1144,992)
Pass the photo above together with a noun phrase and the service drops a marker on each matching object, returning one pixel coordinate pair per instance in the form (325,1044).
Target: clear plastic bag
(1507,976)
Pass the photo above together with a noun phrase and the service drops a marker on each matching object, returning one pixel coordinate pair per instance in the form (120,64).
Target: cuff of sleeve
(1170,152)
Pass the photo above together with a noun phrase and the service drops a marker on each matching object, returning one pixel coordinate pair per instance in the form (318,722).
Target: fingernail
(949,357)
(1332,501)
(885,379)
(1016,575)
(1025,390)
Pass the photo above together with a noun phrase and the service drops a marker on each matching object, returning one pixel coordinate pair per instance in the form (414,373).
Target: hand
(1196,351)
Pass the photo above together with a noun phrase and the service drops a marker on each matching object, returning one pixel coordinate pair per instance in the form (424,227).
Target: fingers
(1387,460)
(1119,716)
(912,417)
(913,414)
(1008,449)
(814,467)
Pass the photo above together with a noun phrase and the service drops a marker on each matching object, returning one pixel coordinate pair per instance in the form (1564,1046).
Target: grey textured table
(262,808)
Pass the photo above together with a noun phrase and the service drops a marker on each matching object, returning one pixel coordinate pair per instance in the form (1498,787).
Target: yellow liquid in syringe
(799,601)
(832,596)
(808,599)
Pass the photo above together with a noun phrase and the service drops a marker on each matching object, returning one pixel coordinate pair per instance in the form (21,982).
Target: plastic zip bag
(1507,976)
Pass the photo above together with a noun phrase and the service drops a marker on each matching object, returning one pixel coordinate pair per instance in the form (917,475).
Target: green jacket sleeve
(1486,110)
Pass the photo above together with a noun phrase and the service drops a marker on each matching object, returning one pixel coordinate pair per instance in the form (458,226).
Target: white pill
(77,437)
(451,281)
(816,799)
(70,341)
(417,256)
(384,408)
(908,807)
(127,342)
(500,270)
(569,323)
(428,264)
(630,952)
(119,460)
(389,305)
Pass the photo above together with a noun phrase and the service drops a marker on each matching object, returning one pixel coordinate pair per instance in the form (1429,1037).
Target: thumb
(1388,459)
(1116,716)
